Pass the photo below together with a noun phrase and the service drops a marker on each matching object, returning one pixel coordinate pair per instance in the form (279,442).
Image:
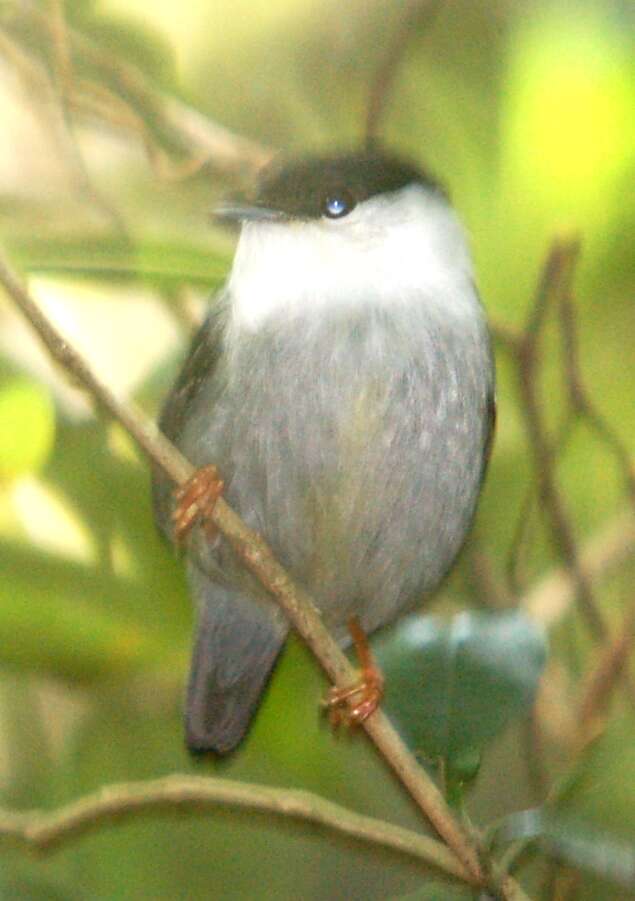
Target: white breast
(401,248)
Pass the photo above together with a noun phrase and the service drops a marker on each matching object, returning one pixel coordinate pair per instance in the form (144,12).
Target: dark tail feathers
(237,643)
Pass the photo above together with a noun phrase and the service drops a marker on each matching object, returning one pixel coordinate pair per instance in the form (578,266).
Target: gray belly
(355,446)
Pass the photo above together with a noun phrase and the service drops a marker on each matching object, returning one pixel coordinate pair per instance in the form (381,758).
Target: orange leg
(355,703)
(195,501)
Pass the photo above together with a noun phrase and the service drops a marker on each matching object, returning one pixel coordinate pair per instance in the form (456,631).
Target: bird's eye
(338,204)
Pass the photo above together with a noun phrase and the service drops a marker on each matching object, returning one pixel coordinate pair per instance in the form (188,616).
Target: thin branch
(45,830)
(555,288)
(515,558)
(516,562)
(551,598)
(565,883)
(504,334)
(581,401)
(195,134)
(601,682)
(486,584)
(251,548)
(555,281)
(37,84)
(207,138)
(417,11)
(532,748)
(60,52)
(61,89)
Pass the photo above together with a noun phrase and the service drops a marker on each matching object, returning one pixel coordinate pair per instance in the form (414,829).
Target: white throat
(397,249)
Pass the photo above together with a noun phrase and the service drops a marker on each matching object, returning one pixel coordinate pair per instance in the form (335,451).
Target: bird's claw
(353,704)
(339,701)
(195,500)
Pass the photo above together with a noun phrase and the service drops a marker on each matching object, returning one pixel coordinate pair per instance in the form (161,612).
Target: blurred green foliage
(24,447)
(525,111)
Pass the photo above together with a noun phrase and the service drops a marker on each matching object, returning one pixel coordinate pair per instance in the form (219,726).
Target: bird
(343,385)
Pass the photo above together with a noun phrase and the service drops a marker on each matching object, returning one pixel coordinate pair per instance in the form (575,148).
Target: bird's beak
(236,212)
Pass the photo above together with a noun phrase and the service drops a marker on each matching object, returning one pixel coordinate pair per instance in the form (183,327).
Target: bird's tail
(237,643)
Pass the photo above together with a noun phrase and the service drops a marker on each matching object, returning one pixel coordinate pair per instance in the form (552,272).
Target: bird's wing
(490,400)
(490,430)
(200,365)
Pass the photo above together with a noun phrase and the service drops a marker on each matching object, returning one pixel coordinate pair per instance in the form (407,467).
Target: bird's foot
(195,501)
(353,704)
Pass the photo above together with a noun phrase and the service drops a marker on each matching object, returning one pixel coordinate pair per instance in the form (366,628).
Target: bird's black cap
(301,188)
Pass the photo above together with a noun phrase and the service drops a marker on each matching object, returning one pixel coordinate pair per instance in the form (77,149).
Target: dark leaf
(451,687)
(573,842)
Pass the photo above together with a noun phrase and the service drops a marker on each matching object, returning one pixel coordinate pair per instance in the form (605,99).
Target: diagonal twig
(550,599)
(190,130)
(555,280)
(416,11)
(600,684)
(581,403)
(555,288)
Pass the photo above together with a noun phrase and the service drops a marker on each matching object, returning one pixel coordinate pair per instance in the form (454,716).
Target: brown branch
(504,334)
(555,287)
(41,90)
(581,401)
(60,51)
(196,134)
(516,563)
(487,587)
(45,830)
(62,89)
(416,11)
(204,137)
(601,682)
(533,756)
(251,548)
(554,282)
(550,599)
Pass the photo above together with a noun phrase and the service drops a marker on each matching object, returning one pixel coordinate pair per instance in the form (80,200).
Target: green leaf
(451,687)
(575,842)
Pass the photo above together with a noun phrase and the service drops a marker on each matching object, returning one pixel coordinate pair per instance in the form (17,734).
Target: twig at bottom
(47,829)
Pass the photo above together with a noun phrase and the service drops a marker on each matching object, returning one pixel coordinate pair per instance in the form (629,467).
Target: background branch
(602,679)
(551,598)
(555,280)
(47,829)
(418,15)
(185,128)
